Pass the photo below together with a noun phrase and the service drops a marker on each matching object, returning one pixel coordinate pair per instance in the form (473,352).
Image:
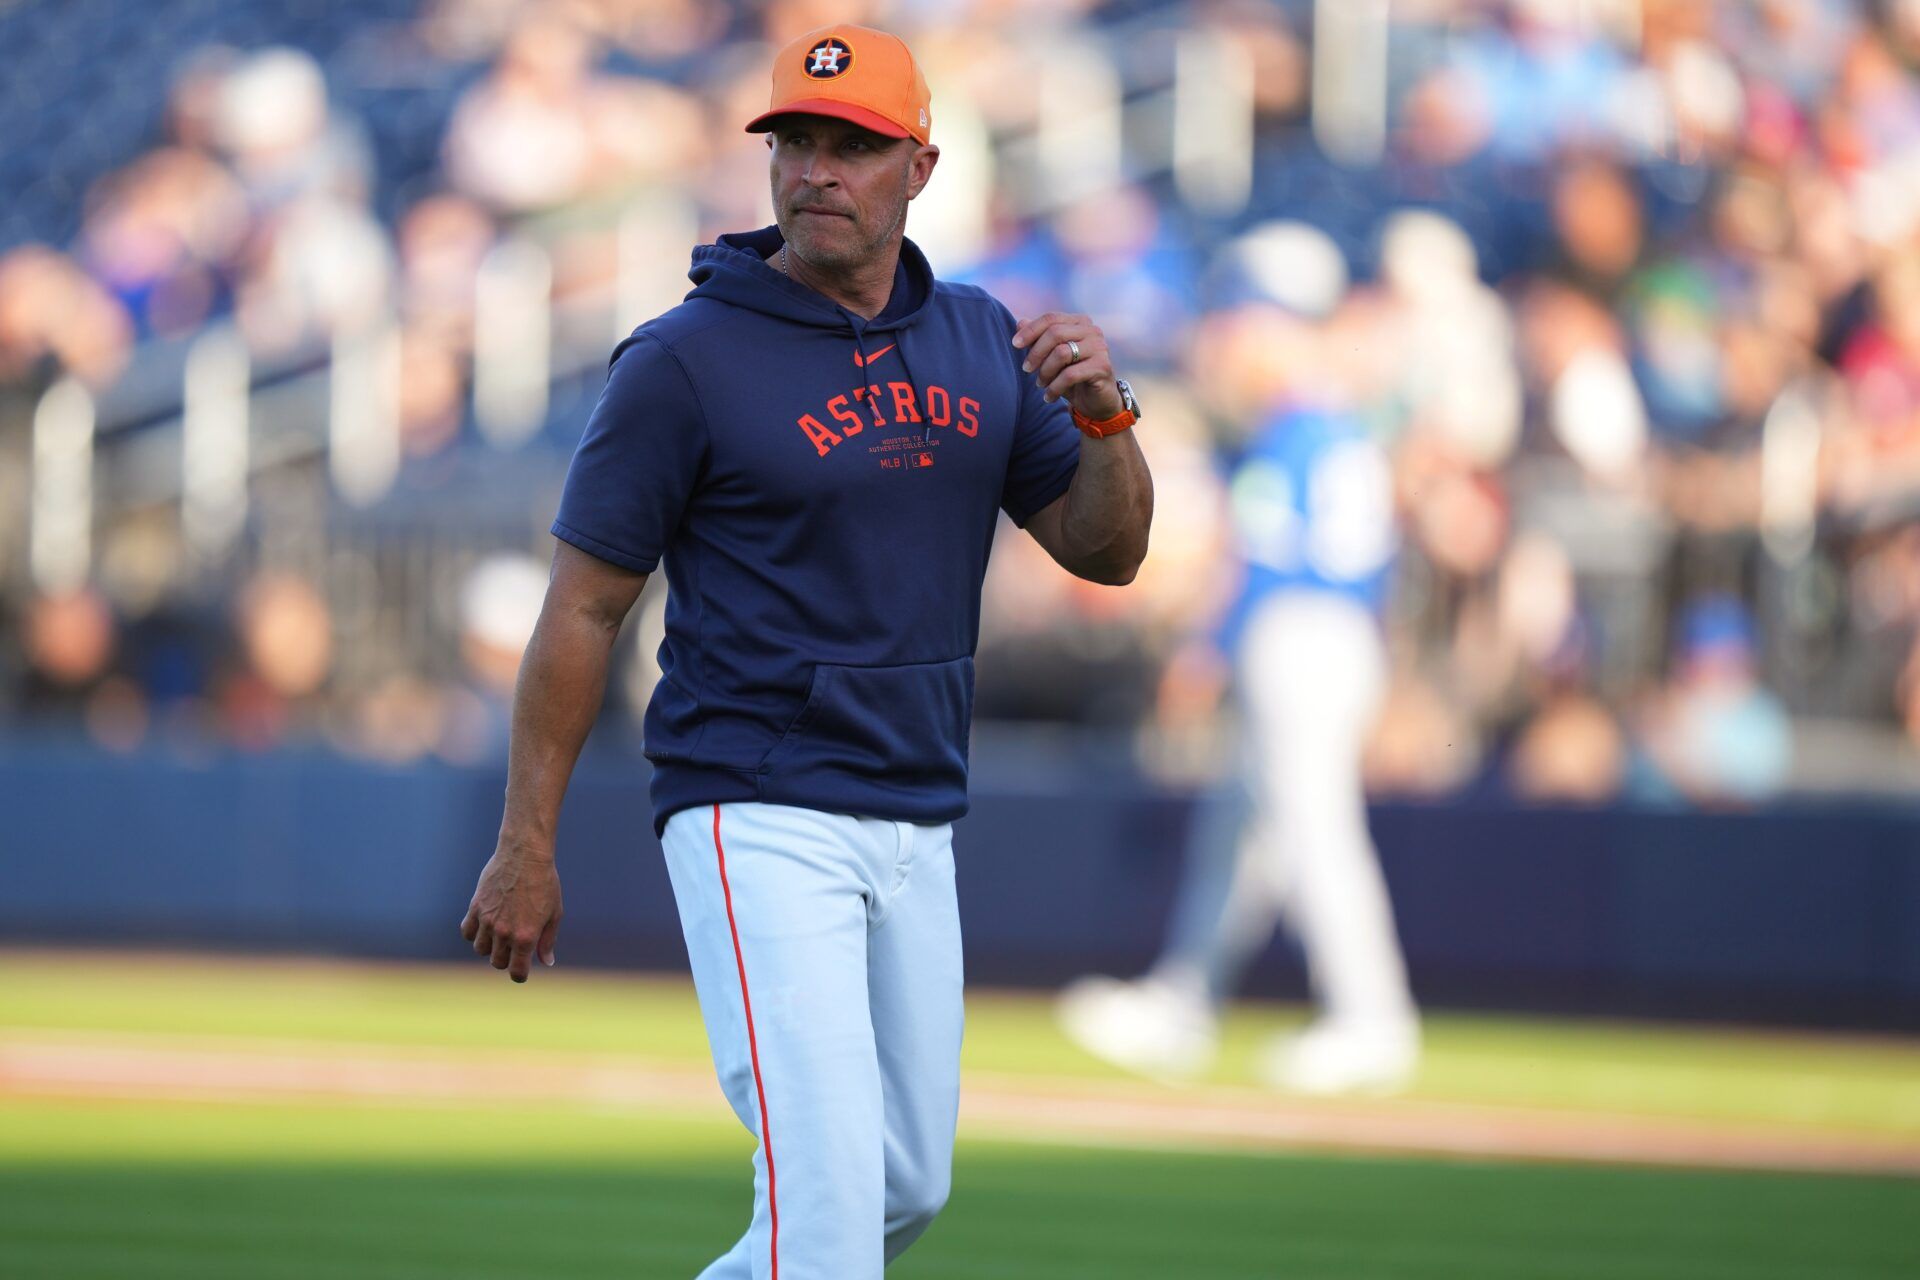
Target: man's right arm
(562,680)
(515,912)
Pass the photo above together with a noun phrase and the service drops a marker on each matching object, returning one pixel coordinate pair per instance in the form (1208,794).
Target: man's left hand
(1087,383)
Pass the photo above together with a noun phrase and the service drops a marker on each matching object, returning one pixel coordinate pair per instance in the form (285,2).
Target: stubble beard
(836,255)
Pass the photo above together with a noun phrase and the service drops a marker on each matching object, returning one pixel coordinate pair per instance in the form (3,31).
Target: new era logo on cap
(829,58)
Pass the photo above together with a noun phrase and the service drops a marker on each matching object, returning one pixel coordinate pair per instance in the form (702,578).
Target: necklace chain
(783,261)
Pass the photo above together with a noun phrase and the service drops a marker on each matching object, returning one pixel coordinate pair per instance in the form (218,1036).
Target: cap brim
(847,111)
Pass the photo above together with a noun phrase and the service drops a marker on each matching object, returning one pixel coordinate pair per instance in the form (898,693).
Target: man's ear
(921,169)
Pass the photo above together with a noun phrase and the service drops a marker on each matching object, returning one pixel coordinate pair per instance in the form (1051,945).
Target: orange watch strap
(1103,427)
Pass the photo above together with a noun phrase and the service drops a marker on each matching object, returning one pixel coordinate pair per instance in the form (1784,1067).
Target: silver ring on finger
(1073,352)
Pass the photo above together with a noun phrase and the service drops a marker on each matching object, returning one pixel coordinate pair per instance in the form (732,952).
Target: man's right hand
(515,910)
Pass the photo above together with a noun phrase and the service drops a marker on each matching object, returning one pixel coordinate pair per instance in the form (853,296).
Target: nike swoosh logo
(873,355)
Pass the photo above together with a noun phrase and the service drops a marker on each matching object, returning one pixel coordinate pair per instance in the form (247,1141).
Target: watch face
(1126,396)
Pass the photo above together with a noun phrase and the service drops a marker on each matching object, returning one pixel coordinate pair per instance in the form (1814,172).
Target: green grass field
(105,1183)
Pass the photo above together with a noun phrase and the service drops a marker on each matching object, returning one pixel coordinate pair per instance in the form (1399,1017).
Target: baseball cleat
(1328,1060)
(1138,1026)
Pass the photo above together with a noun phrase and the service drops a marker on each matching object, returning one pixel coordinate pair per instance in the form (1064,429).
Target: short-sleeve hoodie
(823,492)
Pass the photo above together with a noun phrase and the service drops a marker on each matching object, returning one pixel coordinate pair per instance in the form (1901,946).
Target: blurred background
(303,306)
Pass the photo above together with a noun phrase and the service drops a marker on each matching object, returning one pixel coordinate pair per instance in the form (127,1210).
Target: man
(817,443)
(1311,505)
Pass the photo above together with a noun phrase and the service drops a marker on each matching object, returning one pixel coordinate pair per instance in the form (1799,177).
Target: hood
(734,270)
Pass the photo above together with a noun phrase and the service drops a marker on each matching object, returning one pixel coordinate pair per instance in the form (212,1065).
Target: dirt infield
(70,1064)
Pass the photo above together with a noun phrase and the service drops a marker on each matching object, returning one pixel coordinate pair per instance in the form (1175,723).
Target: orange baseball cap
(851,73)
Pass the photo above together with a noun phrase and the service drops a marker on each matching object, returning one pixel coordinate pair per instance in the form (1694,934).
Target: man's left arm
(1097,529)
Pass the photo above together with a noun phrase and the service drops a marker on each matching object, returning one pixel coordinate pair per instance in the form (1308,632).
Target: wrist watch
(1128,415)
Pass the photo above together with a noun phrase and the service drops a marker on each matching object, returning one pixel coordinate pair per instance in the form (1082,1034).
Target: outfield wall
(1803,914)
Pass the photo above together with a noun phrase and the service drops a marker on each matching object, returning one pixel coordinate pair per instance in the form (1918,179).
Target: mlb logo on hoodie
(922,460)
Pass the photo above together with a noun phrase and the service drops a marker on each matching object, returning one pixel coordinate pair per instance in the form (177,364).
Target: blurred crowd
(1631,294)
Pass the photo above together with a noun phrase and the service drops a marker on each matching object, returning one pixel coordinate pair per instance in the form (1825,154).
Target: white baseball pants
(1312,670)
(826,953)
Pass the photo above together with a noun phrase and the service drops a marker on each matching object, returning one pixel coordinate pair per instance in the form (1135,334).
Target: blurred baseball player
(1311,507)
(817,443)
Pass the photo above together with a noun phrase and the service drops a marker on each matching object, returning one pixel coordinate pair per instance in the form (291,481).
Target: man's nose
(819,173)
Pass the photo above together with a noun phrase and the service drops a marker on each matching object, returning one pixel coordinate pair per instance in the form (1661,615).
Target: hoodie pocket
(899,727)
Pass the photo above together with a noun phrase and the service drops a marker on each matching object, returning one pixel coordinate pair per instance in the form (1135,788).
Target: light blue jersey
(1311,504)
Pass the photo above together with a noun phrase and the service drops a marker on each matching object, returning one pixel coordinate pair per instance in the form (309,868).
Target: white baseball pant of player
(1311,674)
(826,953)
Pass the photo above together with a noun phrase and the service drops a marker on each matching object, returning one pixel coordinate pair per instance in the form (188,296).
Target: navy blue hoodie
(823,490)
